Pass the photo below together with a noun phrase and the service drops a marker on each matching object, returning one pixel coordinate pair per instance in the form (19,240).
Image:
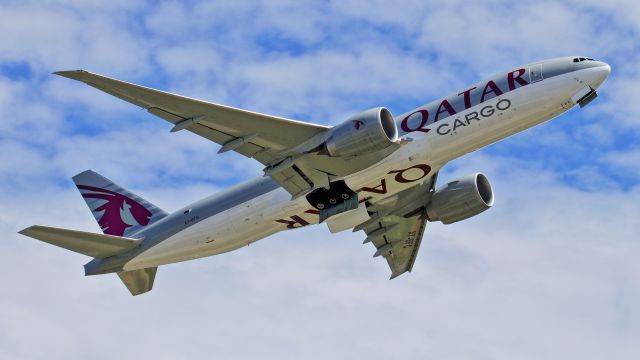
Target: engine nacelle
(370,131)
(461,199)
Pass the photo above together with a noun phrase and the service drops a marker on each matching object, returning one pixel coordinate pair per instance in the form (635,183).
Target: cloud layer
(549,272)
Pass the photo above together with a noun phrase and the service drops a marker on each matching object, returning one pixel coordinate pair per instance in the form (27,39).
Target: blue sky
(550,271)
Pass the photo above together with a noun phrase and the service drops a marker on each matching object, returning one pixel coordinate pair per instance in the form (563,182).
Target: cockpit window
(580,59)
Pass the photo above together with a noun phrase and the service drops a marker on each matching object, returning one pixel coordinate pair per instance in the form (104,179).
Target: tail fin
(117,211)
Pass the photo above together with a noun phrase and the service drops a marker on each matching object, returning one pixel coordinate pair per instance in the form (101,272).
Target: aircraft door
(535,73)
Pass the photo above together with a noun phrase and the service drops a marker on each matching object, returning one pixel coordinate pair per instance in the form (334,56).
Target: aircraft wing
(265,138)
(256,135)
(396,227)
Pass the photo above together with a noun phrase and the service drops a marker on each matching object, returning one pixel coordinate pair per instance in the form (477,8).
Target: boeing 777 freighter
(373,172)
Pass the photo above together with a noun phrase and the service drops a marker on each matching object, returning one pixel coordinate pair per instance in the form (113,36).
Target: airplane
(374,172)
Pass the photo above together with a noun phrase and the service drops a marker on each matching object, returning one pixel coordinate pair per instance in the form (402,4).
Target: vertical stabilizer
(117,211)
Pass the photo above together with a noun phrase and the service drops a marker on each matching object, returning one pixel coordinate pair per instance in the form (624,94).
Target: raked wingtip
(71,74)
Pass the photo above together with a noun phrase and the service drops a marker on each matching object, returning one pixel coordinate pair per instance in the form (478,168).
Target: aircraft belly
(223,232)
(214,233)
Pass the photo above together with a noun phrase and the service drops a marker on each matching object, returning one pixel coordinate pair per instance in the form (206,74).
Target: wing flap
(406,244)
(87,243)
(397,225)
(293,181)
(398,241)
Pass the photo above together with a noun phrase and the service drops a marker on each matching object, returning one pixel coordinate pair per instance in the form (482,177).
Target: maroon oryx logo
(358,124)
(120,212)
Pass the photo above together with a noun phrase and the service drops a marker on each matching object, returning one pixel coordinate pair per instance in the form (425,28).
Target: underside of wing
(398,239)
(396,227)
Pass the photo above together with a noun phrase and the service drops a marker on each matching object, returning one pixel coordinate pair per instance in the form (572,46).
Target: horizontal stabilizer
(138,281)
(95,245)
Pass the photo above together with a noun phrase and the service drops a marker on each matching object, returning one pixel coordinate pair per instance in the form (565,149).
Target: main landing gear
(337,199)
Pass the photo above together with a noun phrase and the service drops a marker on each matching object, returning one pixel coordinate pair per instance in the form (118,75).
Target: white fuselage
(415,162)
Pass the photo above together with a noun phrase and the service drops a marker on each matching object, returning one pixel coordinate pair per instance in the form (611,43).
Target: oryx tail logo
(357,124)
(119,211)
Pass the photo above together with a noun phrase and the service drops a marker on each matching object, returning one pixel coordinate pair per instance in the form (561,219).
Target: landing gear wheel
(338,193)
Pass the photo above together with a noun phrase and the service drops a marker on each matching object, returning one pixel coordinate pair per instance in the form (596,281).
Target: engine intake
(371,130)
(461,199)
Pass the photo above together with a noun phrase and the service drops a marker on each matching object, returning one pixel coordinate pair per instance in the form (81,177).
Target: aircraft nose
(600,74)
(604,68)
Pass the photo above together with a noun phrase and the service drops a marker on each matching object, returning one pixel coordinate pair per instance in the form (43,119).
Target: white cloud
(50,38)
(549,272)
(169,19)
(535,276)
(326,83)
(625,162)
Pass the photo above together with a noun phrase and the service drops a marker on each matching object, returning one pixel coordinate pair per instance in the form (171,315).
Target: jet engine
(370,131)
(460,199)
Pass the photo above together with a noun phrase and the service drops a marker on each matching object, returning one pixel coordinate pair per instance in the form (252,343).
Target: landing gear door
(535,73)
